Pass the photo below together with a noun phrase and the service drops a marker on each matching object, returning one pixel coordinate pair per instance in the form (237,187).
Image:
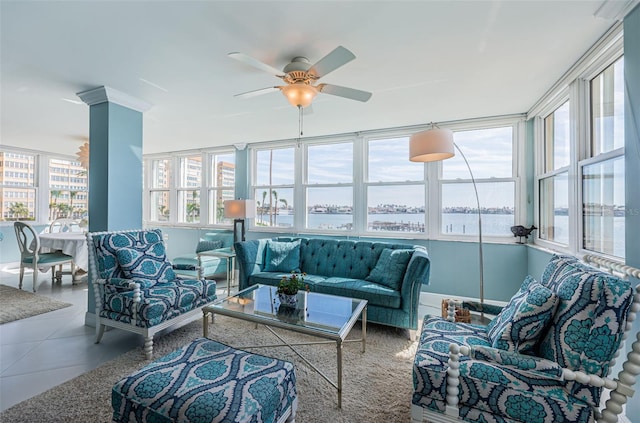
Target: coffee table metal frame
(339,337)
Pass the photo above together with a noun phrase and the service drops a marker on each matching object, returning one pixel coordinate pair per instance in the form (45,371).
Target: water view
(452,224)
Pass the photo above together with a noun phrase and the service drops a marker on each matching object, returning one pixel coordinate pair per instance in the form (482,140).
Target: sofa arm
(416,275)
(249,259)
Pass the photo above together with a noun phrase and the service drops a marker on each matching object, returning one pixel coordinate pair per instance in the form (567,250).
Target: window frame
(203,189)
(430,180)
(575,86)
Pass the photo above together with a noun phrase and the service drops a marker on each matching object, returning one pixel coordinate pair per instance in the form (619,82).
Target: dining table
(71,243)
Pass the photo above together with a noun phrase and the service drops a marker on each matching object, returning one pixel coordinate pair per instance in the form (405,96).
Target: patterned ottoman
(206,381)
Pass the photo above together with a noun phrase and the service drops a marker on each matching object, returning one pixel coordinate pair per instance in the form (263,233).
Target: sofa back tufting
(342,258)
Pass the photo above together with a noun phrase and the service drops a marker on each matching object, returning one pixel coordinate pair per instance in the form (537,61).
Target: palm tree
(18,210)
(193,208)
(53,207)
(275,211)
(72,195)
(285,203)
(270,182)
(264,199)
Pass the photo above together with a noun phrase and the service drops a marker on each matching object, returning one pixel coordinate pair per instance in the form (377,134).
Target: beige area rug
(377,385)
(16,304)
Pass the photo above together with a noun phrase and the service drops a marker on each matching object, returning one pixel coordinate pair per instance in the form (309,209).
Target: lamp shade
(299,94)
(239,209)
(431,146)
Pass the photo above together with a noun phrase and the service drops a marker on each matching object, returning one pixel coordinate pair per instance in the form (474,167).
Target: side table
(230,256)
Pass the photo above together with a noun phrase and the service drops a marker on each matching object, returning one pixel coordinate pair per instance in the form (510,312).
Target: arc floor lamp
(434,145)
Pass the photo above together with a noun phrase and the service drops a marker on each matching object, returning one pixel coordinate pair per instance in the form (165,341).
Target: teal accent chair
(31,257)
(136,288)
(503,373)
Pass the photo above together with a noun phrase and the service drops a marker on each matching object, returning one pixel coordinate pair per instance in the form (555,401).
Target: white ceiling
(423,60)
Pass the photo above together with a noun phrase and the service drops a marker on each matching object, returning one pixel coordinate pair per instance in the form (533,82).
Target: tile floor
(43,351)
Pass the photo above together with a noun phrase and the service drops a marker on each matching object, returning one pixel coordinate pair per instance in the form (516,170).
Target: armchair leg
(148,347)
(99,332)
(21,276)
(35,277)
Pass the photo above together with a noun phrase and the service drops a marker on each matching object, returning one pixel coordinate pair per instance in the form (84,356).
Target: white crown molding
(240,146)
(615,9)
(106,94)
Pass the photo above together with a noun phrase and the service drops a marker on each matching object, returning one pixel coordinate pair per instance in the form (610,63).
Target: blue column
(115,163)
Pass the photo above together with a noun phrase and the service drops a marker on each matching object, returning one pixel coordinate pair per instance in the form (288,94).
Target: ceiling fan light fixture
(299,95)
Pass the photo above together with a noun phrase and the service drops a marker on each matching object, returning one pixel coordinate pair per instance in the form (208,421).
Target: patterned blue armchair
(544,358)
(136,288)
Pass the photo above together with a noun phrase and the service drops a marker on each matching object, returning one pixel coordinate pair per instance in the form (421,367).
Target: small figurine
(521,231)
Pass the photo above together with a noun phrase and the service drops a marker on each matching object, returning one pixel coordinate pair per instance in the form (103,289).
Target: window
(395,187)
(580,169)
(68,187)
(188,190)
(490,156)
(273,187)
(159,190)
(17,188)
(603,187)
(553,184)
(329,187)
(221,185)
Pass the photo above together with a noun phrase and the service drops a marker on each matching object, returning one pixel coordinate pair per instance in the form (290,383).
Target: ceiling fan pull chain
(300,121)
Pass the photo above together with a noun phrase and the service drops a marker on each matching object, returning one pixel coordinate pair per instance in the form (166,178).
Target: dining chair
(64,224)
(30,255)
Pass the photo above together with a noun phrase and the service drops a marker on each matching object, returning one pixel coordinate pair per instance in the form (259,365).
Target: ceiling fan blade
(345,92)
(255,93)
(241,57)
(332,61)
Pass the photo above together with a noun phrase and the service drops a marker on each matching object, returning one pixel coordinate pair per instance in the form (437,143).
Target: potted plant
(288,288)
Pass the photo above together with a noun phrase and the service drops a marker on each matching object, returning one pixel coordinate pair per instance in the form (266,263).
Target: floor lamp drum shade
(431,146)
(239,209)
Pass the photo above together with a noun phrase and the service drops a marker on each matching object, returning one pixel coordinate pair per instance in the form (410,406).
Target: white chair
(30,256)
(65,225)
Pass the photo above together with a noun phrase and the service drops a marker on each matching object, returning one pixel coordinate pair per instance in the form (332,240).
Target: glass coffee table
(324,316)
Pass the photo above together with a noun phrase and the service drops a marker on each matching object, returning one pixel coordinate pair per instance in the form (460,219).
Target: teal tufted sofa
(461,372)
(136,288)
(340,267)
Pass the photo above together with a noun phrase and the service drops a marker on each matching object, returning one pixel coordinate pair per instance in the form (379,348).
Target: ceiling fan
(300,76)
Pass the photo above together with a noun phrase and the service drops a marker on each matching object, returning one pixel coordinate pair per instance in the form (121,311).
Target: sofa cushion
(107,244)
(390,268)
(159,302)
(145,261)
(206,245)
(591,317)
(524,318)
(282,256)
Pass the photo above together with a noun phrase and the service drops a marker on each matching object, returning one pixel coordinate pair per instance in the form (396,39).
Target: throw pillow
(390,268)
(205,245)
(521,322)
(147,261)
(282,256)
